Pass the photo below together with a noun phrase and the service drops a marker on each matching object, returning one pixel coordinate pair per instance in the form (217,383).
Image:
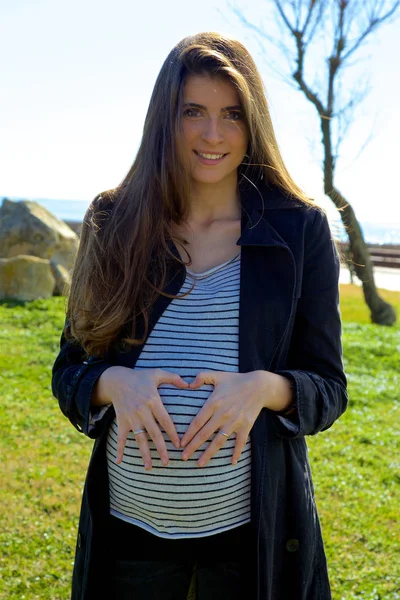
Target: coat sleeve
(73,380)
(315,362)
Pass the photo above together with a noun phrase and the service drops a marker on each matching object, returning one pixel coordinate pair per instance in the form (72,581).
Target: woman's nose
(212,132)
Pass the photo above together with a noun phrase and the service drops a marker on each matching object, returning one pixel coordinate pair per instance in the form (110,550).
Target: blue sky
(77,77)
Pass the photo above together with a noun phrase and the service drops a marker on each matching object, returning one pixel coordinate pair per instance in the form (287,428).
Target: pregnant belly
(182,406)
(167,496)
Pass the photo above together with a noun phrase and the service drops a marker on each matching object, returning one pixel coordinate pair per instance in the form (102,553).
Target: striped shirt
(182,500)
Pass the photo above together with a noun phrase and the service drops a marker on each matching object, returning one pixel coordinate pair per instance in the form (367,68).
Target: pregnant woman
(202,344)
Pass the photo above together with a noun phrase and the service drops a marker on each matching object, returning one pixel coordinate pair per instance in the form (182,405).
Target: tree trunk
(382,312)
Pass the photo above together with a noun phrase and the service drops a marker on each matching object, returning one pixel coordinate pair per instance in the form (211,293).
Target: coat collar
(258,199)
(257,194)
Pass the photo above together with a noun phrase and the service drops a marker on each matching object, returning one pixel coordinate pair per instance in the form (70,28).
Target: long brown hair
(121,264)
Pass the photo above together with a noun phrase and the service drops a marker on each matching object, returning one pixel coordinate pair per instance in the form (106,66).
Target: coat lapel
(267,291)
(268,282)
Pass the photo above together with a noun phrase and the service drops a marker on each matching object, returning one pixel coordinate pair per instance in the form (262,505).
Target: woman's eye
(234,115)
(191,112)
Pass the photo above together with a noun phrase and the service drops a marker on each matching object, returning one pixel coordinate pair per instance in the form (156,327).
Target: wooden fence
(381,256)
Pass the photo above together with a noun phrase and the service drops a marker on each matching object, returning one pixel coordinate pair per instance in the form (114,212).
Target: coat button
(292,545)
(79,541)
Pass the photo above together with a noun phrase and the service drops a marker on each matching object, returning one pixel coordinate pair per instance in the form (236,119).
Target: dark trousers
(212,567)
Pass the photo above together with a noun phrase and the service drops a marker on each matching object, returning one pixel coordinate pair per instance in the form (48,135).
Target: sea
(374,233)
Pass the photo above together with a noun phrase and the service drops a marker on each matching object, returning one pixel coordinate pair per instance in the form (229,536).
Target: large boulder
(26,227)
(62,278)
(26,278)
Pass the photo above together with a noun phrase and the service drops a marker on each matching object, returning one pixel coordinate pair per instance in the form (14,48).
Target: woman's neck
(211,202)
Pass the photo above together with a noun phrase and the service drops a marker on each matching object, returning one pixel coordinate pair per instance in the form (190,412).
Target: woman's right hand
(137,404)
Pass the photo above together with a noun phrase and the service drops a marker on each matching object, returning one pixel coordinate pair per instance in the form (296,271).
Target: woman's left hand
(233,406)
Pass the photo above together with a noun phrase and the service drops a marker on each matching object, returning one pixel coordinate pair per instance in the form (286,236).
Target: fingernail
(234,462)
(164,461)
(177,445)
(147,466)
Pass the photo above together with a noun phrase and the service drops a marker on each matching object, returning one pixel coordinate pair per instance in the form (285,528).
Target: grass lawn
(356,464)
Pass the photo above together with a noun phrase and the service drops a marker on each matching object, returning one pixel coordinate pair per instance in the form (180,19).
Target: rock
(28,228)
(75,226)
(25,278)
(62,278)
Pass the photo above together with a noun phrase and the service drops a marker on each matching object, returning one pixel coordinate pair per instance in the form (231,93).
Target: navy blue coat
(289,323)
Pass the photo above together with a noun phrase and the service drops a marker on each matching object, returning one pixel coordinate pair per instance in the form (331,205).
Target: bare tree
(345,25)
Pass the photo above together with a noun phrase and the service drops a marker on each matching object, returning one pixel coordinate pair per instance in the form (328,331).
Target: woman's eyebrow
(226,108)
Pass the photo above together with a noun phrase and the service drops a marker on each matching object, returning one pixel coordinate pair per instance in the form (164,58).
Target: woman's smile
(208,158)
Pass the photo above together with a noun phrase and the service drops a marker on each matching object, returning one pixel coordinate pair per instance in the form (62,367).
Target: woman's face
(214,135)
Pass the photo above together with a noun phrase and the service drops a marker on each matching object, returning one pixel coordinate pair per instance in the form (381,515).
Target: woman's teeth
(210,156)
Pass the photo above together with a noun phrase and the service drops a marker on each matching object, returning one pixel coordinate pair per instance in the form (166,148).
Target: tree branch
(261,33)
(298,75)
(284,17)
(317,21)
(374,21)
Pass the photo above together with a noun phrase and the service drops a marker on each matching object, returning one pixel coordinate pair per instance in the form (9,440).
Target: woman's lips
(209,161)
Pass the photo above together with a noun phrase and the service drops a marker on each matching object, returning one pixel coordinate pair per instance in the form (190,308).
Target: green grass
(356,464)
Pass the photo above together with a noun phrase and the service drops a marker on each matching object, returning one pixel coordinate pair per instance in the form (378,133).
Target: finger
(121,441)
(241,440)
(203,378)
(201,438)
(217,443)
(156,435)
(202,417)
(173,378)
(142,442)
(164,419)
